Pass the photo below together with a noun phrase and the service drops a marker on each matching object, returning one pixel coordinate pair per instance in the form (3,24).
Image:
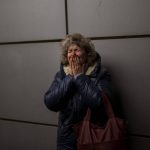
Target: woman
(77,86)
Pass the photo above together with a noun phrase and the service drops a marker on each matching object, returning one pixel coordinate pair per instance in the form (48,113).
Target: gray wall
(30,32)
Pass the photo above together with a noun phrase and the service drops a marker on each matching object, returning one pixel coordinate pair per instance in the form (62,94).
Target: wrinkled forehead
(73,46)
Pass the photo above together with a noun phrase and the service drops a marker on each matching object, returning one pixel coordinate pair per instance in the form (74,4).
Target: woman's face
(75,50)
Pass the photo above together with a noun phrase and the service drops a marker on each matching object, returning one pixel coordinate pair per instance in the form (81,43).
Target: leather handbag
(113,136)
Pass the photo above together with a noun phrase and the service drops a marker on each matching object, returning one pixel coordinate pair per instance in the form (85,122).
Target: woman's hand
(76,66)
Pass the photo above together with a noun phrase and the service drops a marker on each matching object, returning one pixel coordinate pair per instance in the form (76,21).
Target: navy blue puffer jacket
(71,97)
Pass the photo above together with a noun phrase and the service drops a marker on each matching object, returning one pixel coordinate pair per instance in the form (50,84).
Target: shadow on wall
(117,104)
(116,100)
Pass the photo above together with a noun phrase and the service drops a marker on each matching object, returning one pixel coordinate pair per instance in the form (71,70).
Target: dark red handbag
(113,136)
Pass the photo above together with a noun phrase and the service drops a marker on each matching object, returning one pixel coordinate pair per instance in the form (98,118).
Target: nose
(73,53)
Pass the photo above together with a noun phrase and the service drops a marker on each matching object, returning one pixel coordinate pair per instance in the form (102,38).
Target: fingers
(76,66)
(71,66)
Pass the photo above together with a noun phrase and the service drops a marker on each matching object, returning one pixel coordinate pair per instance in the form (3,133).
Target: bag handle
(107,106)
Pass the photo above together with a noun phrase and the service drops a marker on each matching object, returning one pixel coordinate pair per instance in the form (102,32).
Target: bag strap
(105,99)
(88,115)
(107,106)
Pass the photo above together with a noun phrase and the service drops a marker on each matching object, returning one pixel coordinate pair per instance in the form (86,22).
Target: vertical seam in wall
(66,15)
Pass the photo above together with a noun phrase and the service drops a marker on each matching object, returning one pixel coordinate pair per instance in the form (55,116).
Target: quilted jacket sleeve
(55,97)
(90,91)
